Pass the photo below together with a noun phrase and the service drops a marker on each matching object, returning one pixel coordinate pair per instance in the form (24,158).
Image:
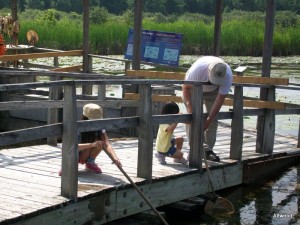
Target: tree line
(206,7)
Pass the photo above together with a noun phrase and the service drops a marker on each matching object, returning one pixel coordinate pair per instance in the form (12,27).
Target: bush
(286,19)
(98,15)
(128,17)
(196,17)
(50,17)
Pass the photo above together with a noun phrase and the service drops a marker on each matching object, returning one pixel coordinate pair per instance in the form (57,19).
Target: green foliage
(165,7)
(108,38)
(128,17)
(244,15)
(240,37)
(5,11)
(196,17)
(50,17)
(242,32)
(286,19)
(98,15)
(31,14)
(155,17)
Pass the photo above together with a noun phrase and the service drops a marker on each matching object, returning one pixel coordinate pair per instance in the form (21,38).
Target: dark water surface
(275,202)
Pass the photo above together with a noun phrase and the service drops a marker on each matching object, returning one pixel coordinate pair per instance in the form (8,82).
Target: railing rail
(144,121)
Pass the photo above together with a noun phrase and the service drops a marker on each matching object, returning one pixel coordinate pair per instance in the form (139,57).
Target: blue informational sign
(157,47)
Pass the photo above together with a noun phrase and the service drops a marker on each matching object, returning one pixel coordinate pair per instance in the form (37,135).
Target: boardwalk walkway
(30,185)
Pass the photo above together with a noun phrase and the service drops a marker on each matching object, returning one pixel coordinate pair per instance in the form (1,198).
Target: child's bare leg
(177,155)
(95,152)
(179,143)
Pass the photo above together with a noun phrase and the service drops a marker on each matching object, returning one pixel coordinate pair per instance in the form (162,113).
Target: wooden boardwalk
(30,185)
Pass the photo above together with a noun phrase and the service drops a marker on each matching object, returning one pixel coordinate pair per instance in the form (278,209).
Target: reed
(62,34)
(242,38)
(109,38)
(239,37)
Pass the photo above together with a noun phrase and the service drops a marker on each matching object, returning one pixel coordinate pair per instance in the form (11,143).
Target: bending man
(214,70)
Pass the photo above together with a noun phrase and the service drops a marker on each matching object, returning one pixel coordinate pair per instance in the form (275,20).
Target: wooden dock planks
(30,185)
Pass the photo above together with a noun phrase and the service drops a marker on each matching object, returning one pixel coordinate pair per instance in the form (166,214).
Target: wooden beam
(69,69)
(29,134)
(55,94)
(6,58)
(156,74)
(264,120)
(156,98)
(137,34)
(260,80)
(181,75)
(85,38)
(145,133)
(259,104)
(237,122)
(197,128)
(69,169)
(229,102)
(217,28)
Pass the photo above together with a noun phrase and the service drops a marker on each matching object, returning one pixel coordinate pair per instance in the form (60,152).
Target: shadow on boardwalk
(29,175)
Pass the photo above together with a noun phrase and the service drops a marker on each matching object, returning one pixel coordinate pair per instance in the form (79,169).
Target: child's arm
(171,128)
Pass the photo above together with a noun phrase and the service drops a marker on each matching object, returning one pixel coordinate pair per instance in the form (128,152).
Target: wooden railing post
(69,177)
(53,113)
(145,133)
(86,89)
(237,124)
(55,61)
(90,62)
(197,137)
(266,127)
(298,145)
(127,65)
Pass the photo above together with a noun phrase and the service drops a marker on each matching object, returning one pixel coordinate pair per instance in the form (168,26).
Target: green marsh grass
(62,34)
(239,37)
(109,38)
(242,38)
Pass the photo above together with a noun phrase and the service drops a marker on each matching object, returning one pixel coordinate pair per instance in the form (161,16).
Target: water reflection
(275,202)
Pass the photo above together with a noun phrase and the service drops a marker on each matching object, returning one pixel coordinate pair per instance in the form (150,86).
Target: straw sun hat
(217,71)
(92,111)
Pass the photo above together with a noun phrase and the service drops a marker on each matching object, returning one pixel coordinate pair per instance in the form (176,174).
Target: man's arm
(187,96)
(215,110)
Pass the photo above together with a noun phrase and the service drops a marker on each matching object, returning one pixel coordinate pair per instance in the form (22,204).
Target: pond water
(275,202)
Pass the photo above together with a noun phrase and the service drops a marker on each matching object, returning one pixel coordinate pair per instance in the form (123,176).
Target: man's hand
(206,124)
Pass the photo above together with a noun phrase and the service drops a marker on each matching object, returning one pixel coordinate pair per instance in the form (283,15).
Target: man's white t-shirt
(199,72)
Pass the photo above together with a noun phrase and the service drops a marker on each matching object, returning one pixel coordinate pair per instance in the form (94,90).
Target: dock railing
(144,120)
(266,108)
(22,59)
